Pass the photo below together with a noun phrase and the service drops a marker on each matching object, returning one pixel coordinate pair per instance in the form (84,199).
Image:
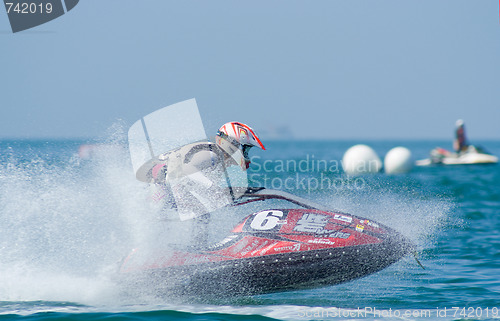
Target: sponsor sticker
(196,260)
(339,235)
(343,218)
(311,223)
(321,241)
(260,247)
(293,248)
(368,222)
(255,245)
(224,241)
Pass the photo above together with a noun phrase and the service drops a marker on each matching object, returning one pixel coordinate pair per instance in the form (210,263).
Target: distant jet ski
(471,155)
(287,243)
(465,154)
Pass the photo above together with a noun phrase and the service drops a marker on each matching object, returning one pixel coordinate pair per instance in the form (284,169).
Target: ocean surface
(69,213)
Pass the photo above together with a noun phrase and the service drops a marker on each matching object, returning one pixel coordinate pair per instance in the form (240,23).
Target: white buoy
(361,159)
(398,160)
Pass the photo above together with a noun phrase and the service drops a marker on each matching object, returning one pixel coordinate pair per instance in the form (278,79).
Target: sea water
(68,217)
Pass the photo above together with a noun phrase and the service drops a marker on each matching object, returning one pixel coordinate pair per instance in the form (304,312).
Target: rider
(460,143)
(190,178)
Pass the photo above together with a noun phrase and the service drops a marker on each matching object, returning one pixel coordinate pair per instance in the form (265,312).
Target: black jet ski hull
(274,273)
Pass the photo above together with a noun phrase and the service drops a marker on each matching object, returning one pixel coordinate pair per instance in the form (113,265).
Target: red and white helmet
(235,136)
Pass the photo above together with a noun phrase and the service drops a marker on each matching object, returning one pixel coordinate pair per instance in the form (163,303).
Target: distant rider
(460,143)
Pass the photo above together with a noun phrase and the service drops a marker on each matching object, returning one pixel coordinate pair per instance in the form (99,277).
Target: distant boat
(472,155)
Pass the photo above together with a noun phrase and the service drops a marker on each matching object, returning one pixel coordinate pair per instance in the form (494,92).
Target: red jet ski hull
(271,251)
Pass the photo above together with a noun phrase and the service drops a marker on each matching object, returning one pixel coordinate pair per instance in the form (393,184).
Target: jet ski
(286,243)
(472,155)
(254,240)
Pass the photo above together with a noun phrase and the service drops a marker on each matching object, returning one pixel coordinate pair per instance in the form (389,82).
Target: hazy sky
(326,69)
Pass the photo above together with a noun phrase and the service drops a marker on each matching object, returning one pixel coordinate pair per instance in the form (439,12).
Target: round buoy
(361,159)
(398,160)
